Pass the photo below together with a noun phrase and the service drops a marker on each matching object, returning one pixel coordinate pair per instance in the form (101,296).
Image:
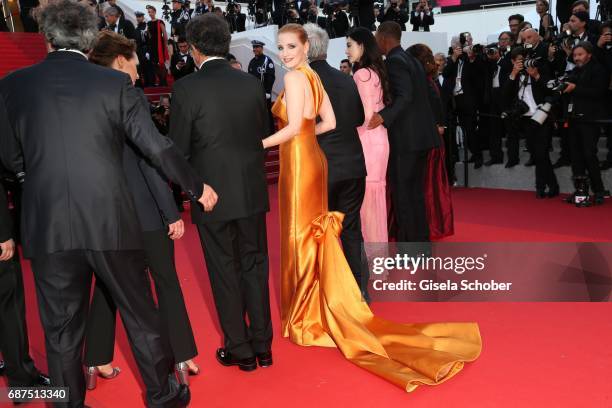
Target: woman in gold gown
(321,304)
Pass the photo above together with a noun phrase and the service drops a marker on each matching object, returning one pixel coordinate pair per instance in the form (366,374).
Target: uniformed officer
(262,67)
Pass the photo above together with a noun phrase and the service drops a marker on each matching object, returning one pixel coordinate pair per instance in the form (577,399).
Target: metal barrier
(8,15)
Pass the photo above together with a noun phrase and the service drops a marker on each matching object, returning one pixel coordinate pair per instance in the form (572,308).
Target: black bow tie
(112,27)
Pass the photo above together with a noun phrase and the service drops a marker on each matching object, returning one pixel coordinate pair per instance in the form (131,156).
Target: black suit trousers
(496,126)
(20,370)
(236,254)
(346,196)
(407,176)
(538,138)
(63,282)
(583,138)
(466,113)
(100,337)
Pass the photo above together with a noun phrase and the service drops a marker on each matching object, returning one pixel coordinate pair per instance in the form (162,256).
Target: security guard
(262,67)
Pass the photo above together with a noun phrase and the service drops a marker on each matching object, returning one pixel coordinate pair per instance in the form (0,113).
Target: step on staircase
(19,50)
(523,178)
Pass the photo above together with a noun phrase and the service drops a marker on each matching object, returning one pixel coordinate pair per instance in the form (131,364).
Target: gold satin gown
(321,304)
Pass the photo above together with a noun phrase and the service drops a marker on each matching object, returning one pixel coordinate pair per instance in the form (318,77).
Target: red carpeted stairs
(20,50)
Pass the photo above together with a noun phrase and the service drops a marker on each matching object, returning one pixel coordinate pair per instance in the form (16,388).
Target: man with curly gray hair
(63,124)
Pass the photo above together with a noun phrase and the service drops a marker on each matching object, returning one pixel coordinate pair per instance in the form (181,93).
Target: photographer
(179,18)
(587,90)
(337,21)
(422,17)
(203,7)
(235,18)
(394,13)
(603,52)
(524,90)
(462,79)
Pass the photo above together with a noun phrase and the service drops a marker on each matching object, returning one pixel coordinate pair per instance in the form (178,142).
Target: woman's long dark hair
(371,58)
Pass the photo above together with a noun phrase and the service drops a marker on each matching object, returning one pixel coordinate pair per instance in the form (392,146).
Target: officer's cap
(257,43)
(139,14)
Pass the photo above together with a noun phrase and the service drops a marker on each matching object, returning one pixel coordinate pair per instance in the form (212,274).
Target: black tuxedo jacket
(219,117)
(471,79)
(341,145)
(125,28)
(64,122)
(510,91)
(409,118)
(189,67)
(6,225)
(591,88)
(417,21)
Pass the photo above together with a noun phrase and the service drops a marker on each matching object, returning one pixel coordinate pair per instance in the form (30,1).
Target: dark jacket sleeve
(11,154)
(436,103)
(6,225)
(509,93)
(401,88)
(593,86)
(160,190)
(160,150)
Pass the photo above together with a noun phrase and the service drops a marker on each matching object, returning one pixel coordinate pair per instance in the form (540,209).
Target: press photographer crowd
(533,84)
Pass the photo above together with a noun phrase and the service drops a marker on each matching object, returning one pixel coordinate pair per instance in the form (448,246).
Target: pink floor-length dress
(375,144)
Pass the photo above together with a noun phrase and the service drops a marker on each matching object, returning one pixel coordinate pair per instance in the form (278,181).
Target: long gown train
(321,304)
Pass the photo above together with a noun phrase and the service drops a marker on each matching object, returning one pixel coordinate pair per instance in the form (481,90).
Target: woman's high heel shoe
(183,371)
(94,372)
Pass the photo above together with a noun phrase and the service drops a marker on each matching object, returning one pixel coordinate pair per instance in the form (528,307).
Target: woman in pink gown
(370,76)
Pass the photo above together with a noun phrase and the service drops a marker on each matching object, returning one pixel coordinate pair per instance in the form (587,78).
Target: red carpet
(534,354)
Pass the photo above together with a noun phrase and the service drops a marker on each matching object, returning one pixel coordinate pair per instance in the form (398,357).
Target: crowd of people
(534,84)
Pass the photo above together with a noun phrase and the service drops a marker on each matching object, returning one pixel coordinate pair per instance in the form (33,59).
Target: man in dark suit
(587,90)
(181,63)
(77,211)
(412,133)
(114,22)
(421,17)
(18,365)
(224,146)
(345,161)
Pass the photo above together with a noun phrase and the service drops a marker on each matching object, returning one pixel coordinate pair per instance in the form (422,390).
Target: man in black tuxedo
(421,17)
(345,161)
(587,90)
(412,133)
(114,22)
(65,126)
(182,63)
(18,365)
(224,146)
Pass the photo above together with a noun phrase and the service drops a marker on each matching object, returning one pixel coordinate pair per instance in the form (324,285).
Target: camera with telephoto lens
(561,38)
(518,109)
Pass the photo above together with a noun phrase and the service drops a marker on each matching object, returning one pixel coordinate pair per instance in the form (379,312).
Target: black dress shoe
(540,194)
(42,380)
(264,359)
(2,367)
(598,198)
(478,163)
(511,163)
(552,192)
(530,162)
(493,161)
(245,364)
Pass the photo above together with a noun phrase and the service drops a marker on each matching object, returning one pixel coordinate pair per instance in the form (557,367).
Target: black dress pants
(346,196)
(100,337)
(496,127)
(538,137)
(466,113)
(63,282)
(583,139)
(407,176)
(20,370)
(236,254)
